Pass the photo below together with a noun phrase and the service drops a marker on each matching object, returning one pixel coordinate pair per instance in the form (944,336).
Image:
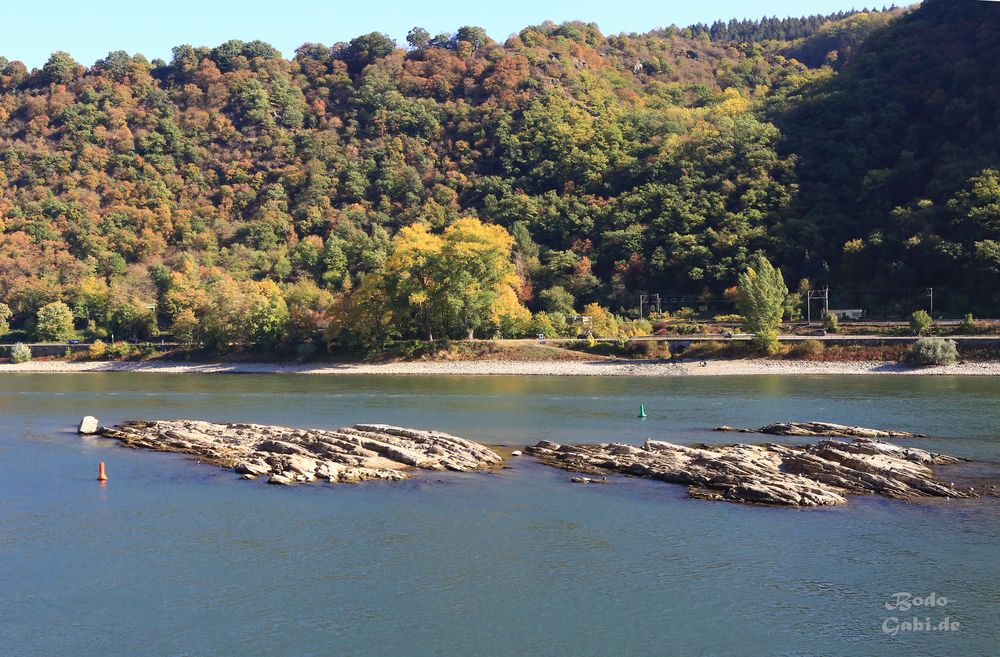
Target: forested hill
(858,150)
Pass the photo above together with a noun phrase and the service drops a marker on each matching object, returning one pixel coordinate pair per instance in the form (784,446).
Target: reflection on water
(173,558)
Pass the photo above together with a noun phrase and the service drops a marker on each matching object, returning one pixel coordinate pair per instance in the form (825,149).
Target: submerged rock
(291,456)
(828,429)
(811,475)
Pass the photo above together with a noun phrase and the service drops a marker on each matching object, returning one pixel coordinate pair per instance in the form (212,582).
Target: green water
(177,559)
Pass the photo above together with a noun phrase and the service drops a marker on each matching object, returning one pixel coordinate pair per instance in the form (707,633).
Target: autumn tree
(54,323)
(5,315)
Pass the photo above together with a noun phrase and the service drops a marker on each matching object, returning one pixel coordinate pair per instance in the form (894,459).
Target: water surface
(174,558)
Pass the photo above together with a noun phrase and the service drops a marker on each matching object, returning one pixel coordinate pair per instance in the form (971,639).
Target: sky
(88,29)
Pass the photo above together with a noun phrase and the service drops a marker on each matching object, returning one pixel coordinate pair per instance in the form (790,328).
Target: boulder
(88,425)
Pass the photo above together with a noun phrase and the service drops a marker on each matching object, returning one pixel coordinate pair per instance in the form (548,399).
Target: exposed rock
(827,429)
(88,425)
(812,475)
(516,452)
(289,456)
(589,480)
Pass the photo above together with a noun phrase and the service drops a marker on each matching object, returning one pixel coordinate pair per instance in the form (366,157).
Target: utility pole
(642,300)
(823,294)
(657,297)
(930,293)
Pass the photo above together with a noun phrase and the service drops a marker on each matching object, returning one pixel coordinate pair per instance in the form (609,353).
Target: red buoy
(101,474)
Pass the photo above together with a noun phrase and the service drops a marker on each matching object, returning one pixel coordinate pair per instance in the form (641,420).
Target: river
(172,558)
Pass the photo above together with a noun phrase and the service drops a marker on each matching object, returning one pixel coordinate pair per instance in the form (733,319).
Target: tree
(5,315)
(413,276)
(365,49)
(760,300)
(557,300)
(185,327)
(478,271)
(418,38)
(473,35)
(264,315)
(54,323)
(60,68)
(920,322)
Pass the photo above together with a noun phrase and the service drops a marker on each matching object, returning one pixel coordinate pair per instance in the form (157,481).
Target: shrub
(647,348)
(934,351)
(305,351)
(968,324)
(684,328)
(831,323)
(119,350)
(807,349)
(920,322)
(20,353)
(98,350)
(972,327)
(591,340)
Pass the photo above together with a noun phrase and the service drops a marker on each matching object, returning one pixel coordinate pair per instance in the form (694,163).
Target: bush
(920,322)
(831,323)
(305,351)
(971,327)
(807,349)
(934,351)
(20,353)
(119,350)
(98,350)
(968,324)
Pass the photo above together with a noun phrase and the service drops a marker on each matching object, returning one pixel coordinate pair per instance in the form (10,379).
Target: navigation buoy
(642,410)
(101,474)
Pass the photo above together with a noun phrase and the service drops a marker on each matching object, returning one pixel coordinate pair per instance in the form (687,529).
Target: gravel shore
(520,368)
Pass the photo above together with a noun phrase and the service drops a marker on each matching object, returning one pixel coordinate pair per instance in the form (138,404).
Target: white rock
(88,425)
(516,452)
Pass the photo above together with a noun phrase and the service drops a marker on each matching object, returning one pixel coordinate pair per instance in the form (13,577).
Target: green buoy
(642,410)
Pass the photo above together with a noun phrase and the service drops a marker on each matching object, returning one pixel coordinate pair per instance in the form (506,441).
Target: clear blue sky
(30,30)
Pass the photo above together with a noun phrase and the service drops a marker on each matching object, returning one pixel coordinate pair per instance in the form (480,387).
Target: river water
(172,558)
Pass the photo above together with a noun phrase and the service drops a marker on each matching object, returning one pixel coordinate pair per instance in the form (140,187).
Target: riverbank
(742,367)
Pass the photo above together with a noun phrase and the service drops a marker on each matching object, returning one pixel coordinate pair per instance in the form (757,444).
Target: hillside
(253,199)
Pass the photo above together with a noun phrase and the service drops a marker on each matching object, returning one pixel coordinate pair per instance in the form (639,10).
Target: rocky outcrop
(812,475)
(827,429)
(290,456)
(88,425)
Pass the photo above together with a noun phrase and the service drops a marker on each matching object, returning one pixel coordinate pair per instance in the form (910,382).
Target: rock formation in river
(811,475)
(828,429)
(288,456)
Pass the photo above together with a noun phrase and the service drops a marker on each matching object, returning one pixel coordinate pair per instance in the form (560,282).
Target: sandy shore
(520,368)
